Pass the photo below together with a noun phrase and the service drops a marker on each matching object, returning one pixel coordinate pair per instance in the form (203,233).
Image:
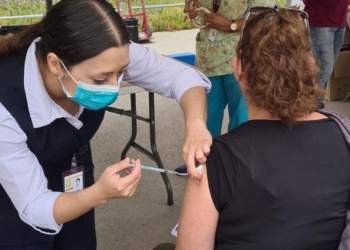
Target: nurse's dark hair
(73,30)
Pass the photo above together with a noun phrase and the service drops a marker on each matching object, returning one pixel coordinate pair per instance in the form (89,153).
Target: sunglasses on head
(255,10)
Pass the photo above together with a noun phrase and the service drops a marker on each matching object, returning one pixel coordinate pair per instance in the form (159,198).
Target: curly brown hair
(276,57)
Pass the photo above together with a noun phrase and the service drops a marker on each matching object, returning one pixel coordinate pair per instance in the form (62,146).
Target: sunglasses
(255,10)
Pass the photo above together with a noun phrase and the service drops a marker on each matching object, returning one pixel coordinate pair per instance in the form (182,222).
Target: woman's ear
(54,63)
(237,68)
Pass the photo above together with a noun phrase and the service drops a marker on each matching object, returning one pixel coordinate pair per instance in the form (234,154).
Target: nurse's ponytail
(19,42)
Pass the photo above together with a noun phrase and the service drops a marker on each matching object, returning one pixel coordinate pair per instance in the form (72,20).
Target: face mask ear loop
(120,79)
(64,66)
(64,89)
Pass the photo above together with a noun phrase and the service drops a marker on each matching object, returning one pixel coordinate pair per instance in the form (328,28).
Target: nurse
(56,79)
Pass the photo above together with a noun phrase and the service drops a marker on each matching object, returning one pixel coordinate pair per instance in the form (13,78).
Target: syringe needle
(160,170)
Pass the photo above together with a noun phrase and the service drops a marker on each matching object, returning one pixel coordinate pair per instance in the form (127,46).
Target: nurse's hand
(69,206)
(111,185)
(196,147)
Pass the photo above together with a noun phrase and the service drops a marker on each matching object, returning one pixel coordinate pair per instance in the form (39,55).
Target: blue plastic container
(188,58)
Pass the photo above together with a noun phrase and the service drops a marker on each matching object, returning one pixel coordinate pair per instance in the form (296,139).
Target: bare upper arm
(199,217)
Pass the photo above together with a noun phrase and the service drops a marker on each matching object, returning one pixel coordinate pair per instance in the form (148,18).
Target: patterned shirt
(215,58)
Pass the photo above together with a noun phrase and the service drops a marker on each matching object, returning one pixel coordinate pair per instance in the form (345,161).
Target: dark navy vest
(53,145)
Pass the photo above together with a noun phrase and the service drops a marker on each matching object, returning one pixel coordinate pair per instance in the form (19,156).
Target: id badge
(212,35)
(73,179)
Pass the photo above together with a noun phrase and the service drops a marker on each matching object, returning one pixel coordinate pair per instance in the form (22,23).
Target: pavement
(145,220)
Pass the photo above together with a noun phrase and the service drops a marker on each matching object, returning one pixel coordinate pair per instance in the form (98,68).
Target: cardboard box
(347,32)
(347,36)
(339,83)
(337,89)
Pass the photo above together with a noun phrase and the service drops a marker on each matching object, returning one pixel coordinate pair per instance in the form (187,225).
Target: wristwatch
(233,26)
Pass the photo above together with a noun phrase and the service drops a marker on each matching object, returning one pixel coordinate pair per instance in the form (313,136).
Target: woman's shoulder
(12,66)
(12,63)
(244,130)
(14,58)
(12,77)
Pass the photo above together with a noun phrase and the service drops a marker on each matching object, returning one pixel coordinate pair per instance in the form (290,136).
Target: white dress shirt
(21,175)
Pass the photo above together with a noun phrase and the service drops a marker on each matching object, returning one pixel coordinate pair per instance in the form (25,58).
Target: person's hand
(191,5)
(190,8)
(112,185)
(216,21)
(188,5)
(196,147)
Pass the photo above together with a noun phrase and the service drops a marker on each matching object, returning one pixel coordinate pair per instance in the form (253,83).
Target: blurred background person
(327,21)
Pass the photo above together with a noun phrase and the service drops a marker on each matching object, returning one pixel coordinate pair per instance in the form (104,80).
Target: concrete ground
(145,220)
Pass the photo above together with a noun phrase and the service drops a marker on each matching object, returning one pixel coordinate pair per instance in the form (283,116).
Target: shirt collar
(42,109)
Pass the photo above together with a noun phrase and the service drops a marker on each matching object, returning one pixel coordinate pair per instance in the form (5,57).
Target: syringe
(161,170)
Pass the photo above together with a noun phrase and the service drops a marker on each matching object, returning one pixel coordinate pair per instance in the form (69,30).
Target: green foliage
(161,19)
(26,7)
(168,19)
(282,3)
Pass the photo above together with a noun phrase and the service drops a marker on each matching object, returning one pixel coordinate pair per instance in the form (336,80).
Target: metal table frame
(154,155)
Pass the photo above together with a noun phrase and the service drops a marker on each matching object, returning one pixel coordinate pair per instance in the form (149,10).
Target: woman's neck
(256,113)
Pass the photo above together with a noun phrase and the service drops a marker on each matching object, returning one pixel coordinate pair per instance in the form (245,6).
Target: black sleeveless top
(280,189)
(53,145)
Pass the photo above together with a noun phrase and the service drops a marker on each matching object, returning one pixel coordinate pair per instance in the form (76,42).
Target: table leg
(152,127)
(131,143)
(133,127)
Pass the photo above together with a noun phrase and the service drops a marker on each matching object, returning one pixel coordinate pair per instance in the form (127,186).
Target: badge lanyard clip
(73,179)
(74,162)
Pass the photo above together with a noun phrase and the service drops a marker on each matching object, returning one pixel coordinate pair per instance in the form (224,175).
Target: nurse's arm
(23,178)
(187,86)
(197,138)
